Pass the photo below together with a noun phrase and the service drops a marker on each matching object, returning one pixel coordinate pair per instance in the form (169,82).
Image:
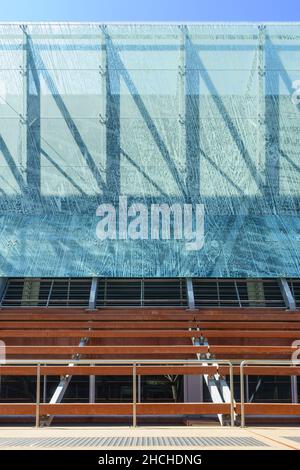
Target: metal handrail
(139,362)
(266,362)
(134,365)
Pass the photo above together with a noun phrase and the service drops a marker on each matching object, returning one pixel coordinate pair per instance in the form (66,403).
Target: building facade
(149,211)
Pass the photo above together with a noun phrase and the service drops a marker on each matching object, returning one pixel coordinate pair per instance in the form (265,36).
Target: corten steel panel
(105,325)
(109,370)
(182,408)
(228,325)
(250,334)
(148,333)
(67,409)
(17,409)
(117,408)
(270,409)
(157,351)
(105,350)
(161,114)
(146,313)
(270,370)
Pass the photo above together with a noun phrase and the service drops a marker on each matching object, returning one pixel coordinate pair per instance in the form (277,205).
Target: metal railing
(295,288)
(262,362)
(47,292)
(144,292)
(222,292)
(134,364)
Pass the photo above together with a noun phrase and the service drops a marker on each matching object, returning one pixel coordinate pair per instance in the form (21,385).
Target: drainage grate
(125,441)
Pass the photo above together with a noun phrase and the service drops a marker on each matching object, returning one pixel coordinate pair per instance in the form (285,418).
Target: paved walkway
(105,438)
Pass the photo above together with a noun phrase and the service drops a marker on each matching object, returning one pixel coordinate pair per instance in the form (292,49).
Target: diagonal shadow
(143,173)
(273,107)
(11,164)
(113,128)
(33,122)
(282,71)
(70,123)
(144,112)
(272,127)
(6,266)
(8,183)
(280,67)
(47,156)
(231,233)
(192,118)
(289,160)
(237,224)
(227,119)
(222,173)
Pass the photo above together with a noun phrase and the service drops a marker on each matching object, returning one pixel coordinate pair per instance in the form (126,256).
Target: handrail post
(242,393)
(231,395)
(38,396)
(139,386)
(134,395)
(45,387)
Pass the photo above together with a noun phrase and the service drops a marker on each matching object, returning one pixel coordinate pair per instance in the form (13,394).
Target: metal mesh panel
(161,113)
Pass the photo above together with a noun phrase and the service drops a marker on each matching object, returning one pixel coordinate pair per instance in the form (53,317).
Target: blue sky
(150,10)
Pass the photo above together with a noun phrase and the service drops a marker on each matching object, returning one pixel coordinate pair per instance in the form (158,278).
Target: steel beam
(93,294)
(294,389)
(216,384)
(30,292)
(62,387)
(92,388)
(193,387)
(287,295)
(190,293)
(3,285)
(212,382)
